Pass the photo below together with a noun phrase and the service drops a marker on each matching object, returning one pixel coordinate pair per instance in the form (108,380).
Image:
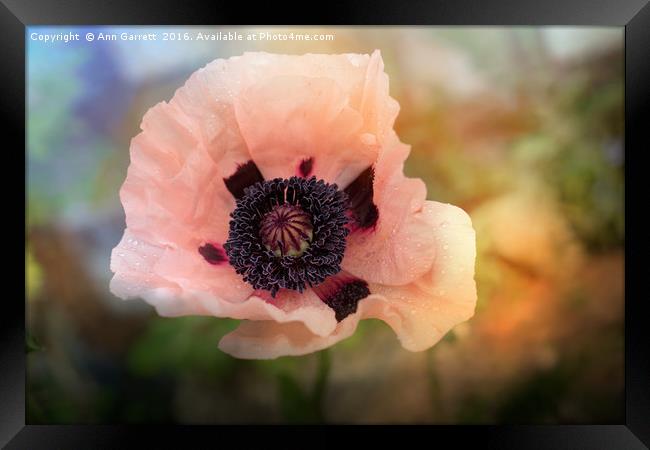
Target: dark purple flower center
(288,233)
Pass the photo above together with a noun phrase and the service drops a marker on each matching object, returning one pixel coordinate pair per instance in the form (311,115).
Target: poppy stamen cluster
(288,233)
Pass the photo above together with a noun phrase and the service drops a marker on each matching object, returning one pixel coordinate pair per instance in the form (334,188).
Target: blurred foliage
(182,345)
(33,275)
(31,344)
(298,406)
(186,347)
(549,394)
(48,403)
(588,168)
(538,398)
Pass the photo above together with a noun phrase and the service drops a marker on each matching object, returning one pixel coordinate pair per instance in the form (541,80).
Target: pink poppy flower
(271,189)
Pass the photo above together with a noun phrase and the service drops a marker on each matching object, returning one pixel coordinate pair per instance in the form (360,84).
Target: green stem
(434,387)
(320,385)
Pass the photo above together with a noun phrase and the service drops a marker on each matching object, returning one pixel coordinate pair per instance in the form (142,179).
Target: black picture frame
(633,15)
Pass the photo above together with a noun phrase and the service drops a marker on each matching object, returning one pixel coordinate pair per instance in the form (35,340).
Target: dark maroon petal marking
(246,175)
(213,254)
(305,167)
(360,193)
(342,293)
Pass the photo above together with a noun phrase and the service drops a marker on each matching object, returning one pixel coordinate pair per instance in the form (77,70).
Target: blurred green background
(521,127)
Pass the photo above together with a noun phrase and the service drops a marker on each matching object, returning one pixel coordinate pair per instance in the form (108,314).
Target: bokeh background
(521,127)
